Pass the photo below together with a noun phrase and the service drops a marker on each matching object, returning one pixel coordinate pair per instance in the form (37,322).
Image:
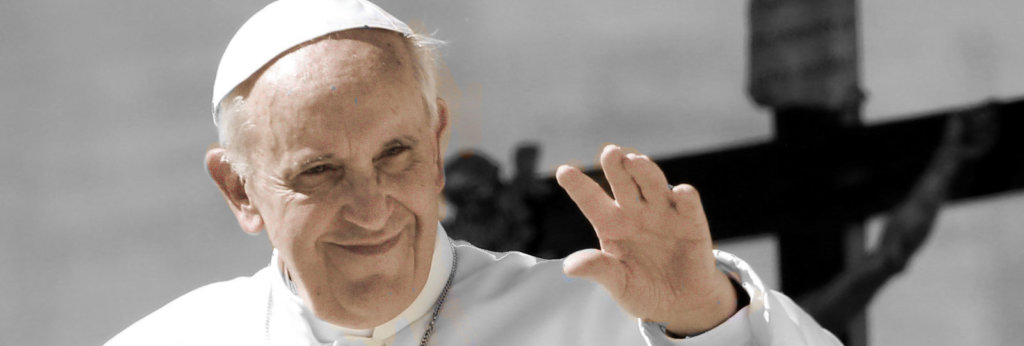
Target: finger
(648,176)
(623,187)
(586,193)
(597,266)
(687,196)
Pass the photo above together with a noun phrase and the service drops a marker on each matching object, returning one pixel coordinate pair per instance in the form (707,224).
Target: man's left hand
(655,257)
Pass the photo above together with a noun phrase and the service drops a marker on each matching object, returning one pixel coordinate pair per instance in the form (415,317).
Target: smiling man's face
(347,173)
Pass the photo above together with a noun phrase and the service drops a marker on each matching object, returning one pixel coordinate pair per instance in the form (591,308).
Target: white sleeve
(771,318)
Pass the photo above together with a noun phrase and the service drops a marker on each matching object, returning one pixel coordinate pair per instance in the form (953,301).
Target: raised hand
(655,257)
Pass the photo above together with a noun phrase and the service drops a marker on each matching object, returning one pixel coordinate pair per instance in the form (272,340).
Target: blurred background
(106,211)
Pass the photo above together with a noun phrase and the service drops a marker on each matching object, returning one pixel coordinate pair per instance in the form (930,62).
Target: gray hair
(230,126)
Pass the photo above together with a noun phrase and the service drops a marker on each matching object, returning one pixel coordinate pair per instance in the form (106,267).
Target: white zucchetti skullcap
(285,24)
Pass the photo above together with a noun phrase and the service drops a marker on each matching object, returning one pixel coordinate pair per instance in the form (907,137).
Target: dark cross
(759,188)
(808,185)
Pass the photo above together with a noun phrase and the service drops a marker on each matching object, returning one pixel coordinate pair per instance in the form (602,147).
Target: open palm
(655,257)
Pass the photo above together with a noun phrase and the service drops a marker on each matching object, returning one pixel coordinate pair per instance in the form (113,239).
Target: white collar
(440,268)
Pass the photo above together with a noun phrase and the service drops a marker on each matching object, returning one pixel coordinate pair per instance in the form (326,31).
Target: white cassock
(495,299)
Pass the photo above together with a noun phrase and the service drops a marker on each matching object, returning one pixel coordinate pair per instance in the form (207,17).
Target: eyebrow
(405,140)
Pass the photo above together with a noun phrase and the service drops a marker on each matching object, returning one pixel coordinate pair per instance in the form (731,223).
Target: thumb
(597,266)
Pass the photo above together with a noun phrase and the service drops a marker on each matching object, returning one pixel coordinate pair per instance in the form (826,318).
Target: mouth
(370,249)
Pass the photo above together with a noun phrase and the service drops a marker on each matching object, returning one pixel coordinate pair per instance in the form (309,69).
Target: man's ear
(442,139)
(233,188)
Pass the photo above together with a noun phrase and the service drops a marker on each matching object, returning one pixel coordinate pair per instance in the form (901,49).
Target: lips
(373,249)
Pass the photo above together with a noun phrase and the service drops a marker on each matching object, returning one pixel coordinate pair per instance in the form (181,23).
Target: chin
(381,281)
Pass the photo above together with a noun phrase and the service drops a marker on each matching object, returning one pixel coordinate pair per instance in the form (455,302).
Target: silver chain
(440,301)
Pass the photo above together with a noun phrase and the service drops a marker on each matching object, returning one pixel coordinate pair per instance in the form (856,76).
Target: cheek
(289,219)
(416,187)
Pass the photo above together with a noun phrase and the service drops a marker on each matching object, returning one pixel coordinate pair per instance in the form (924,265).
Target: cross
(809,190)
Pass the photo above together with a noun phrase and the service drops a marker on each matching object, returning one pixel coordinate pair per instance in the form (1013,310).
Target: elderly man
(332,140)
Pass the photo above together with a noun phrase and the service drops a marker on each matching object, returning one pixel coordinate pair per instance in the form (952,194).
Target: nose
(367,206)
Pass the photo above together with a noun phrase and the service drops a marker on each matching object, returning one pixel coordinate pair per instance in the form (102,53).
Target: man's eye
(393,151)
(321,169)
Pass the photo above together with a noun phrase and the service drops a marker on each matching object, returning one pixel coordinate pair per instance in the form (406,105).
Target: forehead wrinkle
(344,70)
(359,55)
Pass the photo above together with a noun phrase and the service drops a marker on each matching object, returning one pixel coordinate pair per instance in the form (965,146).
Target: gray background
(106,212)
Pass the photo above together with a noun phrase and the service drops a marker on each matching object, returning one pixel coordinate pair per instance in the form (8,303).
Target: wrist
(720,308)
